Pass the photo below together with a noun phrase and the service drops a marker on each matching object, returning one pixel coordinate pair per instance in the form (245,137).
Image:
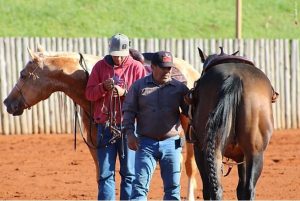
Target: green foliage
(149,18)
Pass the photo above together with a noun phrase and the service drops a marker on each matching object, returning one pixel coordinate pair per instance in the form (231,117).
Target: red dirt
(47,167)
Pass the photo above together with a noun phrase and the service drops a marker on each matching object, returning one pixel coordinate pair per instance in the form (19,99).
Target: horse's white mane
(90,60)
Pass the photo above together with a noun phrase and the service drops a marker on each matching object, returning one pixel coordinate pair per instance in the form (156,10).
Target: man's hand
(133,142)
(108,84)
(118,91)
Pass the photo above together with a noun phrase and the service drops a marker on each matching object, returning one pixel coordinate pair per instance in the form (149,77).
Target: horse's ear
(33,56)
(222,51)
(202,55)
(136,55)
(40,48)
(235,53)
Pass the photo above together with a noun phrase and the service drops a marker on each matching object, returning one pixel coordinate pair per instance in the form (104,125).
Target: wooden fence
(278,58)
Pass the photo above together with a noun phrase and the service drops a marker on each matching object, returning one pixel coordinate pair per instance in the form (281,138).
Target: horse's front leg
(91,130)
(92,145)
(190,164)
(94,155)
(201,164)
(191,170)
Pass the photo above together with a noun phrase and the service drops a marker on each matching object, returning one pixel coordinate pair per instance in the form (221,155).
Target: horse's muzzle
(15,108)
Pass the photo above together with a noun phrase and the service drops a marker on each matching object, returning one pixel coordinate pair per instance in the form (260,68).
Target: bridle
(21,82)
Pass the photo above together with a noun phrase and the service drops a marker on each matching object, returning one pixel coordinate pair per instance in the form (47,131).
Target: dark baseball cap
(163,59)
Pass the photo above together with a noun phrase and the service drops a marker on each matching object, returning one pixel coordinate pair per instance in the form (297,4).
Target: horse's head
(29,88)
(43,75)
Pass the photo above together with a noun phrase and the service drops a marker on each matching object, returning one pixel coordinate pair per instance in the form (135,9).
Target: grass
(149,18)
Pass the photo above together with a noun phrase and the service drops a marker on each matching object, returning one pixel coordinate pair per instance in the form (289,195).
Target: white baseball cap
(119,45)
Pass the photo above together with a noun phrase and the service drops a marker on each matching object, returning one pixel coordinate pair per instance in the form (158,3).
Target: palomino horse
(46,73)
(231,117)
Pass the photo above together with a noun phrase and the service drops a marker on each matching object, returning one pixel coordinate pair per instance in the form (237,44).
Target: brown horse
(47,73)
(231,117)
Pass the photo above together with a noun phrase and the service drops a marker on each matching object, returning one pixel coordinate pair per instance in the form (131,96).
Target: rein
(112,120)
(89,114)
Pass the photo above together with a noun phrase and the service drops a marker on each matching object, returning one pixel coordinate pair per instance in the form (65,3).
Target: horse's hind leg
(242,181)
(249,173)
(253,170)
(254,143)
(200,161)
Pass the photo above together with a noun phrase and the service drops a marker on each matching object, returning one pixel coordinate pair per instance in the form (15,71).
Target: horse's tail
(221,123)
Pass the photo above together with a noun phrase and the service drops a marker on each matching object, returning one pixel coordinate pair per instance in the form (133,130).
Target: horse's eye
(22,76)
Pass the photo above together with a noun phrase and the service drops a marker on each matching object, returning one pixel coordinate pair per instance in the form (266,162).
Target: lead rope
(84,67)
(75,125)
(115,131)
(89,114)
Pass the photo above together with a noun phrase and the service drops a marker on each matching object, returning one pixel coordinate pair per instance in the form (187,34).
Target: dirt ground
(47,167)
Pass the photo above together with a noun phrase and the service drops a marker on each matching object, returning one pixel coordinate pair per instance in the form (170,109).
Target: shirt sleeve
(130,109)
(94,88)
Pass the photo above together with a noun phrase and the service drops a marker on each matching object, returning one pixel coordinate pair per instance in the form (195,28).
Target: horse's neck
(74,87)
(71,78)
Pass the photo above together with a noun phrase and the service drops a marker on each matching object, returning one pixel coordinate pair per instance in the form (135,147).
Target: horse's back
(187,70)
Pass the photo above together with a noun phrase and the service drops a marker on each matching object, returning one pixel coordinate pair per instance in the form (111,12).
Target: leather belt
(159,138)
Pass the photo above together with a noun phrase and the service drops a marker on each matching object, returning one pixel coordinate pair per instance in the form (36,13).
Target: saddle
(225,58)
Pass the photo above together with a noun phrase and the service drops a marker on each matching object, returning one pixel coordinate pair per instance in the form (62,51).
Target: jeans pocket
(179,142)
(103,135)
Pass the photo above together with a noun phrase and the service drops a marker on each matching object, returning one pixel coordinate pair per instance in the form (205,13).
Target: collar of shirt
(108,59)
(149,79)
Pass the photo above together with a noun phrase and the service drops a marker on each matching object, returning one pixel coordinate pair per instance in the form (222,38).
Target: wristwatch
(125,92)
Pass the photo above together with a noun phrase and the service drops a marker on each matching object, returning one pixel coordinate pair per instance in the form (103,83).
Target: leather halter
(19,86)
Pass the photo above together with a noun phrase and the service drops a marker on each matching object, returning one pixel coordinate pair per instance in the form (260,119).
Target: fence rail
(278,58)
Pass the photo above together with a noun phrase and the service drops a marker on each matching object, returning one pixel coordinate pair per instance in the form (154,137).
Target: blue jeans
(107,163)
(168,153)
